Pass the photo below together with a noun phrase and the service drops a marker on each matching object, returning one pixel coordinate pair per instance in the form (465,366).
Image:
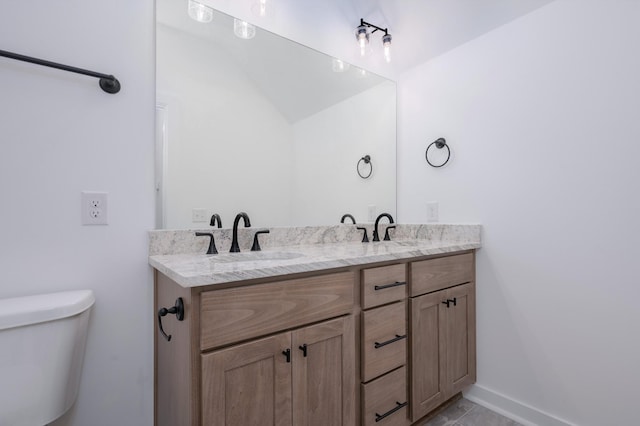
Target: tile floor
(465,413)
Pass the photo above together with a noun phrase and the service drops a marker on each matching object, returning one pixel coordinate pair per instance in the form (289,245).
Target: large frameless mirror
(266,126)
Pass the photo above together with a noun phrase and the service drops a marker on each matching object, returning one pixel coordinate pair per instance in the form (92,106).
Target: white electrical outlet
(372,212)
(199,215)
(432,211)
(94,208)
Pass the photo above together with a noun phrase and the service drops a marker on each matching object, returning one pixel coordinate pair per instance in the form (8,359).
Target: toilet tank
(42,342)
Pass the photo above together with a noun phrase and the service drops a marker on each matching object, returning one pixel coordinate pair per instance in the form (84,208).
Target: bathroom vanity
(317,334)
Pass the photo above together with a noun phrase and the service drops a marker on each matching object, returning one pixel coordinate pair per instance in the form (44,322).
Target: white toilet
(42,340)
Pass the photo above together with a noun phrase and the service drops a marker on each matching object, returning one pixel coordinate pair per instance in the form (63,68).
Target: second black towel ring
(439,143)
(367,160)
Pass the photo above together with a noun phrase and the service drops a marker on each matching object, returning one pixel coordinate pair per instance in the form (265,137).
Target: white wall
(327,148)
(542,118)
(60,134)
(216,114)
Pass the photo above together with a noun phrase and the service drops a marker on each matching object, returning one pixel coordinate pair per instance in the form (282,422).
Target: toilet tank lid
(19,311)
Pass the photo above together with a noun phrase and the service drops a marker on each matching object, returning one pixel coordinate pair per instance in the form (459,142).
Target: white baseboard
(515,410)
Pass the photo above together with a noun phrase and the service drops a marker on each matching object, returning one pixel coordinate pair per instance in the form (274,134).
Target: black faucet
(247,223)
(216,217)
(376,235)
(348,216)
(212,244)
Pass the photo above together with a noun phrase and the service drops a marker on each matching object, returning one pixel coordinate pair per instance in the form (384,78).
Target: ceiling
(421,30)
(424,29)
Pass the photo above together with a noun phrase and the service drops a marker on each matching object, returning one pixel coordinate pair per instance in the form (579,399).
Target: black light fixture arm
(108,83)
(377,28)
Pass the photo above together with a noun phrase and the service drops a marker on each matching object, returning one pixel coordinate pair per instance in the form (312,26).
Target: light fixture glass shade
(386,43)
(199,12)
(339,65)
(362,35)
(243,29)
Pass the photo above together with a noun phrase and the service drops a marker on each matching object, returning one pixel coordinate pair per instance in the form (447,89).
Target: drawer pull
(390,412)
(287,354)
(448,301)
(303,348)
(395,339)
(396,284)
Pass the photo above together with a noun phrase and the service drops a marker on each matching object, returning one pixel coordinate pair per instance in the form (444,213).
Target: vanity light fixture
(386,43)
(199,12)
(363,35)
(243,29)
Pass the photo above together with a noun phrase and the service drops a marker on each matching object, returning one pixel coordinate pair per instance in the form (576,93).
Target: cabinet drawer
(240,313)
(384,339)
(436,274)
(386,397)
(383,285)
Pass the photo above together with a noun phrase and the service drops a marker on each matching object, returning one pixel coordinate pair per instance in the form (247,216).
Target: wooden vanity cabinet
(274,353)
(443,335)
(303,377)
(381,345)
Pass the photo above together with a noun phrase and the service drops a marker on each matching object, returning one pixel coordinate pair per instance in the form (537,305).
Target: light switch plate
(199,215)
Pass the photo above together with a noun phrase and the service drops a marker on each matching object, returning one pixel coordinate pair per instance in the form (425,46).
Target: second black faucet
(235,248)
(376,234)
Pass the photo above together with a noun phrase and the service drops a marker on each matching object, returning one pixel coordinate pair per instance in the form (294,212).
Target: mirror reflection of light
(339,65)
(361,73)
(259,8)
(243,29)
(199,12)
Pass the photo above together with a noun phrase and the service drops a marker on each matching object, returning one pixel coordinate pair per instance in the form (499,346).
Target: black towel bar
(108,83)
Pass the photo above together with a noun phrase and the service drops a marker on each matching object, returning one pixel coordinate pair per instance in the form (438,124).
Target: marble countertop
(193,270)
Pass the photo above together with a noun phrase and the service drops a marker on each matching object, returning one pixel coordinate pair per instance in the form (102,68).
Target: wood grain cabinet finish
(436,274)
(235,314)
(286,352)
(385,400)
(443,351)
(383,345)
(304,377)
(275,353)
(323,374)
(384,342)
(248,384)
(383,285)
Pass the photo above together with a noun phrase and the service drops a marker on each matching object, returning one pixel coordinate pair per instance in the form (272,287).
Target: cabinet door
(443,346)
(248,384)
(460,338)
(427,353)
(324,374)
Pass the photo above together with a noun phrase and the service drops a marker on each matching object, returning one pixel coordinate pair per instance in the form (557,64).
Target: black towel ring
(439,143)
(367,160)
